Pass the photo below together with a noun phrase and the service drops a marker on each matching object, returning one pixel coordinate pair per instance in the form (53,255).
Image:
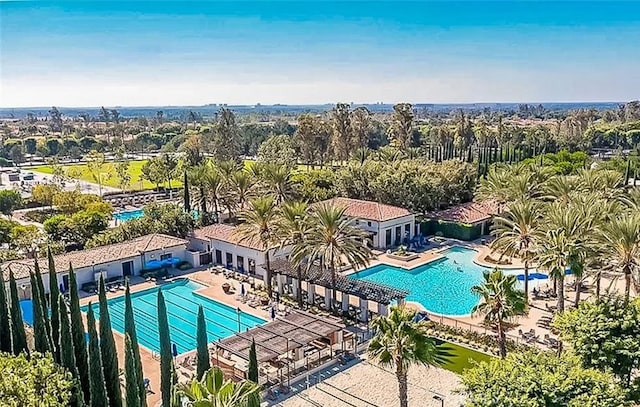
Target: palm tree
(242,186)
(292,227)
(213,391)
(500,301)
(213,183)
(258,224)
(621,238)
(517,233)
(332,238)
(554,255)
(278,181)
(400,342)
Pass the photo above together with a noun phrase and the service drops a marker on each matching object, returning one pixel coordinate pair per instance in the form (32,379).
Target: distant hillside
(209,110)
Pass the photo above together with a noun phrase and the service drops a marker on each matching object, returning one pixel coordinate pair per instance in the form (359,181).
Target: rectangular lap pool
(182,308)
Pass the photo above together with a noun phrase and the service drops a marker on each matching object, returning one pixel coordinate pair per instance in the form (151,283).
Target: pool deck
(150,360)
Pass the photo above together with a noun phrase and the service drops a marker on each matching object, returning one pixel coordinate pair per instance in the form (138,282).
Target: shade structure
(539,276)
(153,264)
(521,277)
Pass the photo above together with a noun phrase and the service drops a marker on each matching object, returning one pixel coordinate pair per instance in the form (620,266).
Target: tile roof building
(386,225)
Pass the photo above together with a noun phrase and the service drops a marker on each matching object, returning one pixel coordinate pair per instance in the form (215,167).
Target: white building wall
(392,225)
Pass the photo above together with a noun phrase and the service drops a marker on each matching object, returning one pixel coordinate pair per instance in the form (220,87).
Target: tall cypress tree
(166,357)
(39,322)
(186,198)
(96,377)
(132,390)
(5,321)
(43,301)
(54,294)
(79,339)
(252,372)
(130,328)
(108,351)
(203,362)
(18,336)
(67,354)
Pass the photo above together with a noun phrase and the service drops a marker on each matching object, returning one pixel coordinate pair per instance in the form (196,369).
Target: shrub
(184,265)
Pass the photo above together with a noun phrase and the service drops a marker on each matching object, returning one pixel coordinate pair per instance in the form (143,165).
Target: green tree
(67,353)
(5,321)
(130,329)
(121,167)
(213,391)
(18,335)
(278,149)
(291,228)
(604,334)
(96,377)
(258,225)
(517,233)
(54,294)
(341,124)
(35,381)
(400,342)
(621,238)
(10,200)
(252,372)
(108,351)
(44,193)
(500,301)
(226,137)
(186,199)
(333,237)
(132,390)
(535,379)
(401,127)
(26,238)
(277,179)
(39,331)
(97,166)
(42,297)
(202,354)
(166,356)
(78,337)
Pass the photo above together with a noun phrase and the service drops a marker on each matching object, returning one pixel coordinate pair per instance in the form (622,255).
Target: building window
(252,266)
(165,256)
(387,237)
(369,224)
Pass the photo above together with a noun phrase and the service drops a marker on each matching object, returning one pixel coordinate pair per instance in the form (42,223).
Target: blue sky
(92,53)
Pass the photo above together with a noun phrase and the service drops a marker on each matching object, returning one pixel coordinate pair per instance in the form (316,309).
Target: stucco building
(116,260)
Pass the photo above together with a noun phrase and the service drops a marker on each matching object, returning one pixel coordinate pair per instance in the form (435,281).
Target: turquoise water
(442,287)
(128,215)
(182,311)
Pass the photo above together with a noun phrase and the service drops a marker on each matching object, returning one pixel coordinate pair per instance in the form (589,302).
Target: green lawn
(109,178)
(459,358)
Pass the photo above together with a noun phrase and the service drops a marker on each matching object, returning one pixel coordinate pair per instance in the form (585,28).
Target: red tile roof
(95,256)
(368,210)
(470,212)
(226,233)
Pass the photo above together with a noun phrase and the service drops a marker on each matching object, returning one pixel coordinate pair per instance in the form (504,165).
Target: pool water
(128,215)
(442,287)
(182,310)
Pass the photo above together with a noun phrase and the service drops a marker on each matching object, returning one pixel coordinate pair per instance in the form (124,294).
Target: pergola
(273,339)
(285,346)
(314,274)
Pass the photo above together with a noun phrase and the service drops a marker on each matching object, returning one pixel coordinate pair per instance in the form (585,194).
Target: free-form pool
(128,215)
(442,287)
(182,310)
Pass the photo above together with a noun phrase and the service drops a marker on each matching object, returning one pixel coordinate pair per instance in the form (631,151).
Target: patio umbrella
(175,349)
(520,277)
(242,290)
(277,296)
(568,272)
(153,264)
(539,276)
(273,312)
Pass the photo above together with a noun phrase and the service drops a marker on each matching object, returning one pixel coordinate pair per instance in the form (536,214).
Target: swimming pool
(128,215)
(442,287)
(182,311)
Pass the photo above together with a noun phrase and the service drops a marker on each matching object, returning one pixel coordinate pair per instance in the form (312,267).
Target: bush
(40,216)
(455,230)
(184,265)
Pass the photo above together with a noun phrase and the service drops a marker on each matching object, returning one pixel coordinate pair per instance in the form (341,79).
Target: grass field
(109,178)
(459,358)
